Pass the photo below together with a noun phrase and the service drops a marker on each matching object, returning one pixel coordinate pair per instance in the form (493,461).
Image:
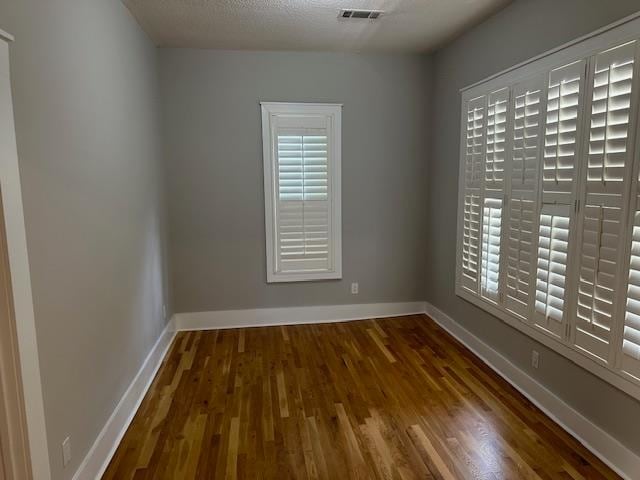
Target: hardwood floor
(386,399)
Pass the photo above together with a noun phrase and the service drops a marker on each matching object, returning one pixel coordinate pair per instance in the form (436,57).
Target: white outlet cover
(535,359)
(66,451)
(354,288)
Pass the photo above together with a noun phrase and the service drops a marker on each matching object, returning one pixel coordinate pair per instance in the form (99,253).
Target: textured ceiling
(408,25)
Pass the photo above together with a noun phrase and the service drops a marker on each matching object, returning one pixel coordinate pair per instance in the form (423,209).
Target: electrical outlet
(535,359)
(354,288)
(66,451)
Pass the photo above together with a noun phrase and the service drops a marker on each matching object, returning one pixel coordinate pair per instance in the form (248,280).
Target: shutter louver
(607,168)
(523,184)
(558,194)
(303,210)
(474,153)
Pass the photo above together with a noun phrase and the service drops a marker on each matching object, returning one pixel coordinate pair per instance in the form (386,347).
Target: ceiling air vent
(356,13)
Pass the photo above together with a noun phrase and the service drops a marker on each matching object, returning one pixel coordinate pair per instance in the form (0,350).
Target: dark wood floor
(385,399)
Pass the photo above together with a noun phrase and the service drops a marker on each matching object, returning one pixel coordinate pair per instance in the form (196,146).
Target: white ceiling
(408,25)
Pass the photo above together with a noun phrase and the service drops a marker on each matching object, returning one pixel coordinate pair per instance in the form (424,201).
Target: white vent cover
(357,13)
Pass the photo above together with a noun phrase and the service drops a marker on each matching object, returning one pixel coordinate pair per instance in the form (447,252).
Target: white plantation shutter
(471,240)
(559,174)
(491,232)
(560,136)
(549,209)
(526,116)
(520,252)
(630,361)
(303,209)
(497,107)
(302,191)
(473,171)
(607,170)
(551,271)
(493,192)
(527,131)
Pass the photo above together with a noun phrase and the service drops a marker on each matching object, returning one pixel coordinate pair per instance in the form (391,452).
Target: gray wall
(84,80)
(522,30)
(213,150)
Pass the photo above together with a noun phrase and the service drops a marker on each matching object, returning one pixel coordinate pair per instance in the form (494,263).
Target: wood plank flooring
(386,399)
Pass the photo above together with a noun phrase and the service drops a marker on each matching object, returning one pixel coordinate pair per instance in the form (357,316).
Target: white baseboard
(103,449)
(618,457)
(265,317)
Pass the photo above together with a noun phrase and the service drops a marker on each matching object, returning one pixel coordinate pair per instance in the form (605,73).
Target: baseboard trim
(267,317)
(95,463)
(607,448)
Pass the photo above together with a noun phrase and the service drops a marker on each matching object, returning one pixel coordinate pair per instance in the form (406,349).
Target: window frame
(583,48)
(333,112)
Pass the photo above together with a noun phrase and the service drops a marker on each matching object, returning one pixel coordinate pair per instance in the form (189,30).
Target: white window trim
(334,111)
(615,34)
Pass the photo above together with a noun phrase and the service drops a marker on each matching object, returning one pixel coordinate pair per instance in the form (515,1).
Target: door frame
(20,278)
(14,440)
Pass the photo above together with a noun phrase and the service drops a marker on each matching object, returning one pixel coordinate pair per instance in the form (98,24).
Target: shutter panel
(631,336)
(496,140)
(564,107)
(474,154)
(523,184)
(491,232)
(561,126)
(303,208)
(520,252)
(494,183)
(553,243)
(607,174)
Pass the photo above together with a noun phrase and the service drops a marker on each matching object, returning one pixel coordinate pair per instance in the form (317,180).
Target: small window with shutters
(301,150)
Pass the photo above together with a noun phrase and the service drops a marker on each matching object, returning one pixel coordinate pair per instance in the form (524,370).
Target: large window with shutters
(549,205)
(301,155)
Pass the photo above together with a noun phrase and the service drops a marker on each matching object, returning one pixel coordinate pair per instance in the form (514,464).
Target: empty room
(319,239)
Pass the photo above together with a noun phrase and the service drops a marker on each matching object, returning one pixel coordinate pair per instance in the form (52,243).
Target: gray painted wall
(524,29)
(213,151)
(84,81)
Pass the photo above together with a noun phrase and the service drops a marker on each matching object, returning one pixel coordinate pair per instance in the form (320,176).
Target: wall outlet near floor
(535,359)
(66,451)
(354,288)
